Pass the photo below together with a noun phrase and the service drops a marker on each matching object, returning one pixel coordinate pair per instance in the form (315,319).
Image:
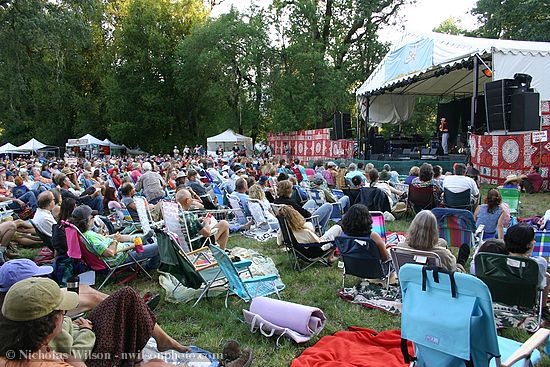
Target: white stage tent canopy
(32,145)
(89,139)
(227,139)
(109,143)
(435,64)
(7,148)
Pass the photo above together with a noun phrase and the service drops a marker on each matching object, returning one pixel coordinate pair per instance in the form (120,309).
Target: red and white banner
(497,156)
(309,144)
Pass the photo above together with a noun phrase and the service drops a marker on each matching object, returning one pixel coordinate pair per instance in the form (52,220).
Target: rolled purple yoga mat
(305,320)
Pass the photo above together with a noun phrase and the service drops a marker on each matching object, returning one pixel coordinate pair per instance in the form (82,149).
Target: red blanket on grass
(357,347)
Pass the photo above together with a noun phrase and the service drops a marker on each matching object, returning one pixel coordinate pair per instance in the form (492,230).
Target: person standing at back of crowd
(444,130)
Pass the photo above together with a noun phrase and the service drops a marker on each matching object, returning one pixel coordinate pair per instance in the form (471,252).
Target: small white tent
(227,139)
(85,140)
(32,145)
(7,148)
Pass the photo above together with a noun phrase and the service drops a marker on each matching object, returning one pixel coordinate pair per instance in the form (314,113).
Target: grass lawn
(209,324)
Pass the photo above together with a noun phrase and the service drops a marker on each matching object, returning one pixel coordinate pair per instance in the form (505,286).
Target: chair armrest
(262,278)
(198,250)
(537,339)
(243,264)
(315,244)
(201,268)
(480,229)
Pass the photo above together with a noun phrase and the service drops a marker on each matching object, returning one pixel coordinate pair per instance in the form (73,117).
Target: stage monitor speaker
(338,125)
(525,112)
(332,133)
(498,103)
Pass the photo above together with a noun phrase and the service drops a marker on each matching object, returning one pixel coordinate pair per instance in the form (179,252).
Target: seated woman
(284,191)
(413,173)
(33,321)
(304,233)
(260,208)
(127,191)
(491,215)
(519,240)
(357,222)
(426,179)
(110,196)
(423,235)
(113,249)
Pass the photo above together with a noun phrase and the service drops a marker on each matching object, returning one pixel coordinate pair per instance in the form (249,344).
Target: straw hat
(512,178)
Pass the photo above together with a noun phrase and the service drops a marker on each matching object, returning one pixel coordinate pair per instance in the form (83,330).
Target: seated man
(241,188)
(151,183)
(319,183)
(532,182)
(91,197)
(458,183)
(392,193)
(353,172)
(201,226)
(194,183)
(43,218)
(127,190)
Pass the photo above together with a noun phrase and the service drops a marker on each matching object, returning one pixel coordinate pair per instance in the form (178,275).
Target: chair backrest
(403,255)
(401,187)
(379,224)
(457,200)
(170,213)
(542,244)
(464,331)
(316,195)
(456,226)
(237,207)
(512,280)
(511,197)
(288,237)
(352,193)
(141,208)
(360,256)
(46,240)
(257,211)
(80,242)
(374,199)
(421,197)
(235,283)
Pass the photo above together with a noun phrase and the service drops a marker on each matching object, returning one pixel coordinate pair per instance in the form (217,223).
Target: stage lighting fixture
(488,73)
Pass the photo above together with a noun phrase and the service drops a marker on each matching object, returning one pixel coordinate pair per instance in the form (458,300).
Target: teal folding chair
(245,289)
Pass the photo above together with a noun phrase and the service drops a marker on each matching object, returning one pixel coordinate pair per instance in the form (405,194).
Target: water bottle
(72,284)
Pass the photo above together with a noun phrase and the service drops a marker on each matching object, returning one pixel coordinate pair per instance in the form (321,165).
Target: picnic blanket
(373,296)
(196,358)
(355,347)
(259,234)
(515,317)
(261,265)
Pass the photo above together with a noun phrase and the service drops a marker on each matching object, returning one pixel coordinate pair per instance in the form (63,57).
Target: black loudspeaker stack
(511,105)
(342,126)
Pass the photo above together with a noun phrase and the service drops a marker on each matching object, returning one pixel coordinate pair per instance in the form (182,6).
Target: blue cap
(16,270)
(262,180)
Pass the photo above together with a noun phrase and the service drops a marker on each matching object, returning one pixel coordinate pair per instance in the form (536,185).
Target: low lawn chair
(353,194)
(145,217)
(421,198)
(298,252)
(245,289)
(512,280)
(46,240)
(238,209)
(511,197)
(192,269)
(460,200)
(79,248)
(449,320)
(316,195)
(362,259)
(542,245)
(404,255)
(457,227)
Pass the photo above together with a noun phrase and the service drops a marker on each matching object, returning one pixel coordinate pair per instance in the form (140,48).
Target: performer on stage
(444,130)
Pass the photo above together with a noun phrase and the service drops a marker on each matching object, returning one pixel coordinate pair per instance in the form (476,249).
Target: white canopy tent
(7,148)
(85,140)
(32,145)
(436,64)
(227,139)
(109,143)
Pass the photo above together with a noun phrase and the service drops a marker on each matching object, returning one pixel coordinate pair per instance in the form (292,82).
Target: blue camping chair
(245,289)
(362,259)
(463,332)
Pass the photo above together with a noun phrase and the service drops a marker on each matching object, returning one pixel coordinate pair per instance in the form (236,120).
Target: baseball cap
(83,212)
(262,180)
(33,298)
(19,269)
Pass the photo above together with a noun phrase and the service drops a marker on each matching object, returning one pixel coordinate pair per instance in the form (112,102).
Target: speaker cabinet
(525,112)
(498,103)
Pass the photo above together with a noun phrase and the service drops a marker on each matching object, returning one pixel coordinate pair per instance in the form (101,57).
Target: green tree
(144,105)
(450,25)
(527,20)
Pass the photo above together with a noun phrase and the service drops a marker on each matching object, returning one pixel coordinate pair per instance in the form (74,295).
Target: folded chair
(511,197)
(245,289)
(192,269)
(144,214)
(449,320)
(404,255)
(298,252)
(237,208)
(459,200)
(457,227)
(362,259)
(420,198)
(512,280)
(78,248)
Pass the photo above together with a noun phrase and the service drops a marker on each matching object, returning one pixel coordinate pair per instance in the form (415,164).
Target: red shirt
(536,181)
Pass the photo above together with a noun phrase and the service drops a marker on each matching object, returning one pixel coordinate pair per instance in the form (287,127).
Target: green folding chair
(511,197)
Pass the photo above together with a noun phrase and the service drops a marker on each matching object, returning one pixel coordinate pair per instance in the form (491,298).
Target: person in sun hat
(512,182)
